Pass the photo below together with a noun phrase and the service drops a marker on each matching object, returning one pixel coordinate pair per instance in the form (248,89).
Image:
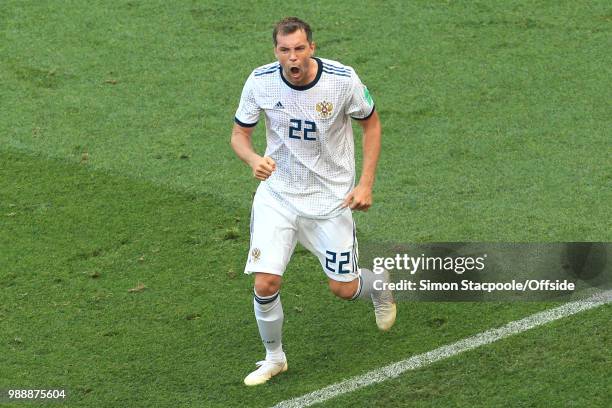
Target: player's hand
(263,168)
(360,199)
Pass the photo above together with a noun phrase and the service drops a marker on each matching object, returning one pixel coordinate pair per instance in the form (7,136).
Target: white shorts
(275,230)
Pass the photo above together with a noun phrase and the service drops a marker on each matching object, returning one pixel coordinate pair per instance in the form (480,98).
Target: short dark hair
(290,25)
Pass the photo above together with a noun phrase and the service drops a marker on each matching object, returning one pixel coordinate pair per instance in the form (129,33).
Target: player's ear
(313,46)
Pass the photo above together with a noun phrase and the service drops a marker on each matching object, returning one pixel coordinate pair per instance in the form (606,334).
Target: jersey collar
(307,86)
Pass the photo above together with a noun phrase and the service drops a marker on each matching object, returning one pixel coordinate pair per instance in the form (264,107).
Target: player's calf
(344,290)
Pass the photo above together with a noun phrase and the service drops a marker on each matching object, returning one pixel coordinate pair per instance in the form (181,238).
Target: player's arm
(360,198)
(241,143)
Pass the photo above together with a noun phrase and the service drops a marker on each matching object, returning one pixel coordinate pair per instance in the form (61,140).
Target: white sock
(269,316)
(366,284)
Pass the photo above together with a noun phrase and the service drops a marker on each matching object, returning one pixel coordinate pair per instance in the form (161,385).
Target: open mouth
(295,71)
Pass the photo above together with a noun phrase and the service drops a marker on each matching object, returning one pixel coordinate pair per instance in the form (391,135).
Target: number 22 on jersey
(302,129)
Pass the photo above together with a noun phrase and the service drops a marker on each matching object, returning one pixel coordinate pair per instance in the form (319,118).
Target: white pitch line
(396,369)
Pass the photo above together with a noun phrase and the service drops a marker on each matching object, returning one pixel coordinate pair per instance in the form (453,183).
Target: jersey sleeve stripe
(270,71)
(335,68)
(336,73)
(267,68)
(263,71)
(266,73)
(244,124)
(367,117)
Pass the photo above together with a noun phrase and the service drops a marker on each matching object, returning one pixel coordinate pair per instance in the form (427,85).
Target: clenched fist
(263,168)
(360,198)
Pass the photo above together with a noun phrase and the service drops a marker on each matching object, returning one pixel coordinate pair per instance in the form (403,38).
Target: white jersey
(309,133)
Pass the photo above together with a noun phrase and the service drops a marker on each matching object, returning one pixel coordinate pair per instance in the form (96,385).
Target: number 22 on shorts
(335,262)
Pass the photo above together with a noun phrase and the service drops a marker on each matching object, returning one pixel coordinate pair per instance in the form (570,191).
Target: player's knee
(344,290)
(267,285)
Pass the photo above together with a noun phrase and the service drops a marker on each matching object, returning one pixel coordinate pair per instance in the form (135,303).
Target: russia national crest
(324,109)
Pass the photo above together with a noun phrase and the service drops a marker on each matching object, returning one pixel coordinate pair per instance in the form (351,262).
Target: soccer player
(307,174)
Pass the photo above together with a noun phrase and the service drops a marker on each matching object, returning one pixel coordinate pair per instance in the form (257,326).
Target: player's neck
(313,69)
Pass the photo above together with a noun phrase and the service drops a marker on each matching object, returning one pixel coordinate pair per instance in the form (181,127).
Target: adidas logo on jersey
(279,105)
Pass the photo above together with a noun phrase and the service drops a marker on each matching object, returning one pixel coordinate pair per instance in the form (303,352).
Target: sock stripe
(264,300)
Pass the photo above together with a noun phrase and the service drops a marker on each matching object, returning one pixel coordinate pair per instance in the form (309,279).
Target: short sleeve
(248,111)
(360,105)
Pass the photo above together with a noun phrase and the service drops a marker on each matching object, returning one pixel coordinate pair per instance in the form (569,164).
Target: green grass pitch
(124,214)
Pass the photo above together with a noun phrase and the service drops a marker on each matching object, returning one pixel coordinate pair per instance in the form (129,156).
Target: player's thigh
(334,242)
(273,236)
